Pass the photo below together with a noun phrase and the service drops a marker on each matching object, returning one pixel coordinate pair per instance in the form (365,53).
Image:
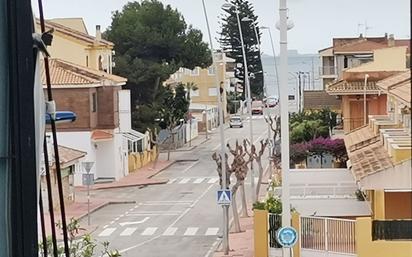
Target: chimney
(360,36)
(391,40)
(98,33)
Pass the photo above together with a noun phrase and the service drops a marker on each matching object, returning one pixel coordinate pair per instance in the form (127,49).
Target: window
(291,97)
(87,61)
(94,102)
(100,62)
(195,72)
(212,91)
(211,70)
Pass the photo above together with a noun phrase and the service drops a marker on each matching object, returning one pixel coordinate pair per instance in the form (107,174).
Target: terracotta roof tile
(320,99)
(403,92)
(63,73)
(359,46)
(369,159)
(100,135)
(394,79)
(68,154)
(74,33)
(359,138)
(399,86)
(343,87)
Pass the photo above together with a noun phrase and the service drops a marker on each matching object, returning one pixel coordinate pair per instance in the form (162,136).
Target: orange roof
(393,80)
(359,138)
(344,87)
(74,33)
(100,135)
(403,92)
(398,85)
(68,154)
(359,46)
(63,73)
(404,42)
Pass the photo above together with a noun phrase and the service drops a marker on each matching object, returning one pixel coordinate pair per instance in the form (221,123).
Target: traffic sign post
(224,197)
(88,179)
(287,237)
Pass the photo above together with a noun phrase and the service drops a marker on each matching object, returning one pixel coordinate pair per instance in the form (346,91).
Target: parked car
(236,121)
(257,107)
(271,101)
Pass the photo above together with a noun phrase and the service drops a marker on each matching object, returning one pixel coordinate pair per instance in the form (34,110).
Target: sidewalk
(241,244)
(140,177)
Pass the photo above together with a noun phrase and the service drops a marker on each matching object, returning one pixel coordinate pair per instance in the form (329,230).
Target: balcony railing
(392,230)
(327,71)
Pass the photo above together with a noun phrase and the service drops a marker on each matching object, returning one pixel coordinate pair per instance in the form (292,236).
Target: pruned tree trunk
(234,207)
(260,178)
(244,203)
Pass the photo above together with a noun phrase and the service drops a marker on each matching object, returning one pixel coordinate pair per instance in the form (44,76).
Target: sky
(316,21)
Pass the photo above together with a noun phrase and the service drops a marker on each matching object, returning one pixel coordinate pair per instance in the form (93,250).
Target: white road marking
(213,180)
(169,201)
(149,231)
(198,180)
(170,231)
(128,231)
(218,146)
(106,232)
(164,204)
(191,231)
(191,166)
(152,214)
(134,222)
(184,181)
(171,181)
(105,226)
(171,225)
(211,231)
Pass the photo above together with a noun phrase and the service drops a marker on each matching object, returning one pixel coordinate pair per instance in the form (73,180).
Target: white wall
(125,118)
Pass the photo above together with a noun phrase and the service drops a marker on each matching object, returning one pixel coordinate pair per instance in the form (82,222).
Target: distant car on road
(271,101)
(235,121)
(257,107)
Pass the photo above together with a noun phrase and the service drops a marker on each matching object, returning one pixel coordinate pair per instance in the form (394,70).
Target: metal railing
(327,70)
(328,234)
(392,230)
(275,222)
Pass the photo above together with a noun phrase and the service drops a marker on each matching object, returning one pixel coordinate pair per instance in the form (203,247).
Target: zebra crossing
(150,231)
(193,180)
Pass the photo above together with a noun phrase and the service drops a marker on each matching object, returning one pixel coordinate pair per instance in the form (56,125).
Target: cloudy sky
(316,21)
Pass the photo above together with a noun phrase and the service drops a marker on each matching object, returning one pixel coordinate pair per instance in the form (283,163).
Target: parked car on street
(235,121)
(271,101)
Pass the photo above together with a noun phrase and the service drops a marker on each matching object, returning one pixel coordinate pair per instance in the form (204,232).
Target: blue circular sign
(287,237)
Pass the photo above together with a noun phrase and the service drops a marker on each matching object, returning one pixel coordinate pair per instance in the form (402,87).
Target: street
(180,218)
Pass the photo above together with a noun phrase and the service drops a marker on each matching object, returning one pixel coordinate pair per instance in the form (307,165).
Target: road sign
(88,179)
(224,197)
(287,237)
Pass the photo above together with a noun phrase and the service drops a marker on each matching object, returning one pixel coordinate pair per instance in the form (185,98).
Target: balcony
(328,71)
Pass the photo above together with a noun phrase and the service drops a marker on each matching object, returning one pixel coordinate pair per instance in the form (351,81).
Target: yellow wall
(378,204)
(138,160)
(386,59)
(296,225)
(261,244)
(365,247)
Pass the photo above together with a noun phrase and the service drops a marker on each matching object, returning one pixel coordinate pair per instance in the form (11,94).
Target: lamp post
(274,57)
(248,96)
(364,99)
(283,27)
(222,141)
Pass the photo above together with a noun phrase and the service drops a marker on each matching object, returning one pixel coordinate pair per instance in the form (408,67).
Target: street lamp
(222,140)
(249,93)
(274,57)
(283,27)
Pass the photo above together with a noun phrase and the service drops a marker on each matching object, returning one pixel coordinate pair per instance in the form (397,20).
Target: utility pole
(284,118)
(222,140)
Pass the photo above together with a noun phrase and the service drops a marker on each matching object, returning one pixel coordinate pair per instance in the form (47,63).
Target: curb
(162,169)
(187,149)
(102,206)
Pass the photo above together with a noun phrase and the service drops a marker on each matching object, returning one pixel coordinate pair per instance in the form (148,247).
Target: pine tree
(230,43)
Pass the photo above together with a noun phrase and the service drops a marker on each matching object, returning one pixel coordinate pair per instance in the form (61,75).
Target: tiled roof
(63,73)
(319,99)
(359,46)
(369,159)
(74,33)
(100,135)
(68,154)
(343,87)
(398,85)
(359,138)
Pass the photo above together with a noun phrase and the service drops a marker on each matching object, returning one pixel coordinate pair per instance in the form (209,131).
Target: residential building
(206,94)
(72,42)
(380,160)
(351,86)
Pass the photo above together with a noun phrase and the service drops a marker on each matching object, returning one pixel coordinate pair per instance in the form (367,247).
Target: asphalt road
(180,218)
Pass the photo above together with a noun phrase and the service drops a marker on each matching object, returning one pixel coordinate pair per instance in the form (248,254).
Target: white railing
(328,234)
(342,191)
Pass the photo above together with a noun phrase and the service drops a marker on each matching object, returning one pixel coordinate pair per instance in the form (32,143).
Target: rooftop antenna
(359,26)
(366,27)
